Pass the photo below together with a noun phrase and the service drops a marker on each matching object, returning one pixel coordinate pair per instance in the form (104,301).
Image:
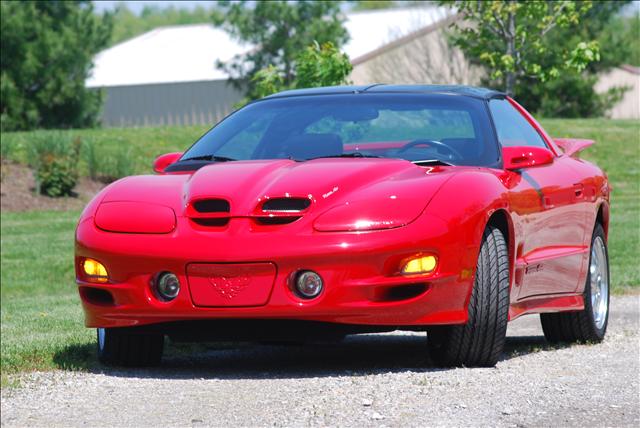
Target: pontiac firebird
(313,214)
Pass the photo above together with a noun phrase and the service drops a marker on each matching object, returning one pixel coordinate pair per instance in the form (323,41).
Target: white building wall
(629,106)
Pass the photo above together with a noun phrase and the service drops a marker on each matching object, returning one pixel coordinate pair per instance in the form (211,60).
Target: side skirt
(546,303)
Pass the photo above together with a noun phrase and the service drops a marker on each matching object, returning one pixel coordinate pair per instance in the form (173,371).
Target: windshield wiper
(209,158)
(346,155)
(426,162)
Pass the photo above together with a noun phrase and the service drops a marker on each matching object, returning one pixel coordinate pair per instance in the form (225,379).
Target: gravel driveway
(370,380)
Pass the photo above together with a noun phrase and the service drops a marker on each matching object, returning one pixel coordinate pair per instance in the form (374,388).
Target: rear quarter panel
(596,194)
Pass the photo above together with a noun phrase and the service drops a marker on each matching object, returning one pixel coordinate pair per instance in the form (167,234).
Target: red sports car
(314,214)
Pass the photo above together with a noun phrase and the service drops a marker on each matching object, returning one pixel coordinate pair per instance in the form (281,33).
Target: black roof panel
(321,91)
(471,91)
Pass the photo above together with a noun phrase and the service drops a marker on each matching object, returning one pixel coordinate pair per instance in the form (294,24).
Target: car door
(550,253)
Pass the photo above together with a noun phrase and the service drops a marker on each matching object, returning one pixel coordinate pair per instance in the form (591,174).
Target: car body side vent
(271,221)
(211,222)
(212,206)
(286,205)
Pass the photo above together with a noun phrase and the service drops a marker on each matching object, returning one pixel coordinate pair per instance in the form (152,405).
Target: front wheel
(480,341)
(589,324)
(121,347)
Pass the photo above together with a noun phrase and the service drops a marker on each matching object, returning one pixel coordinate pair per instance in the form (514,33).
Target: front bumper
(359,271)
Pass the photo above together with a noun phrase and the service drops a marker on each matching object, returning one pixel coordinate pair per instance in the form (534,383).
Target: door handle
(578,190)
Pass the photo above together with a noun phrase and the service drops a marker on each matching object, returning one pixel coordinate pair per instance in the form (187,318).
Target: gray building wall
(184,103)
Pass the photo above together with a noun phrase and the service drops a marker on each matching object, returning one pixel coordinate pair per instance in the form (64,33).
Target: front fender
(468,201)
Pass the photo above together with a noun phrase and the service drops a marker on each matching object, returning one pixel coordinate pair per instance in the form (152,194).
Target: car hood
(370,184)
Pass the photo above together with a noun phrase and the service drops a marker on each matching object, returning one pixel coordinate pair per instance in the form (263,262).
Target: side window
(513,129)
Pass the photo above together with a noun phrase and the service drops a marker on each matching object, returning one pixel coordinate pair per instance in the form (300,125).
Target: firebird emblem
(229,287)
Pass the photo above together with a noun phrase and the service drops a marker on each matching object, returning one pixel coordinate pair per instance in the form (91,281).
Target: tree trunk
(510,82)
(510,76)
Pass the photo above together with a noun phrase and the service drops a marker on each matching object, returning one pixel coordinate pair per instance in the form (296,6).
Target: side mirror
(525,156)
(163,161)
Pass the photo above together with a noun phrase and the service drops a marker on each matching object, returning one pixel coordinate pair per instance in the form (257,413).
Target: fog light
(167,286)
(420,265)
(308,284)
(94,271)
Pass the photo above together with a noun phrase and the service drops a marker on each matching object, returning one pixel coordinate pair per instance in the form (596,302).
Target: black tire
(121,347)
(480,341)
(580,326)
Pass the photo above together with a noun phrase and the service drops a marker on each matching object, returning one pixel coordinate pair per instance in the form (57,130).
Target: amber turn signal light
(94,271)
(420,265)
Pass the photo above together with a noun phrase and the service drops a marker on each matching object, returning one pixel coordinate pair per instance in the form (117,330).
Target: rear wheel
(589,324)
(121,347)
(480,341)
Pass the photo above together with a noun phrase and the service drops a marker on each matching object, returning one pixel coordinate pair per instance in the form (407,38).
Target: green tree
(603,24)
(316,66)
(47,50)
(511,38)
(279,30)
(359,5)
(572,94)
(127,24)
(267,81)
(631,29)
(322,65)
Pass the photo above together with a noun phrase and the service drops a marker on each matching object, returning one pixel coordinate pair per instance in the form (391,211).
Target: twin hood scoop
(283,191)
(217,212)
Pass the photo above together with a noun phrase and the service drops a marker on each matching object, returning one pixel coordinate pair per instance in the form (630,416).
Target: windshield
(451,129)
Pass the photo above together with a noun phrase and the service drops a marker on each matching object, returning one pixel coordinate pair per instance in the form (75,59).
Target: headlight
(135,217)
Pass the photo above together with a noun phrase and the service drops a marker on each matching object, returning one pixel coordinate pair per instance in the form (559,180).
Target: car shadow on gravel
(357,355)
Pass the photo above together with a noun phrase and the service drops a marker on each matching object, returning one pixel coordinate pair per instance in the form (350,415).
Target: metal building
(168,76)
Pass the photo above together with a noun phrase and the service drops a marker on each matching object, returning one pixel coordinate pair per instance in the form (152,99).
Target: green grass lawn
(41,318)
(617,151)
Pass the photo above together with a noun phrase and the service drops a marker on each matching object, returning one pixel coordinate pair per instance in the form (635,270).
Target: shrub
(6,148)
(91,158)
(13,146)
(123,163)
(570,95)
(54,157)
(111,166)
(57,176)
(107,165)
